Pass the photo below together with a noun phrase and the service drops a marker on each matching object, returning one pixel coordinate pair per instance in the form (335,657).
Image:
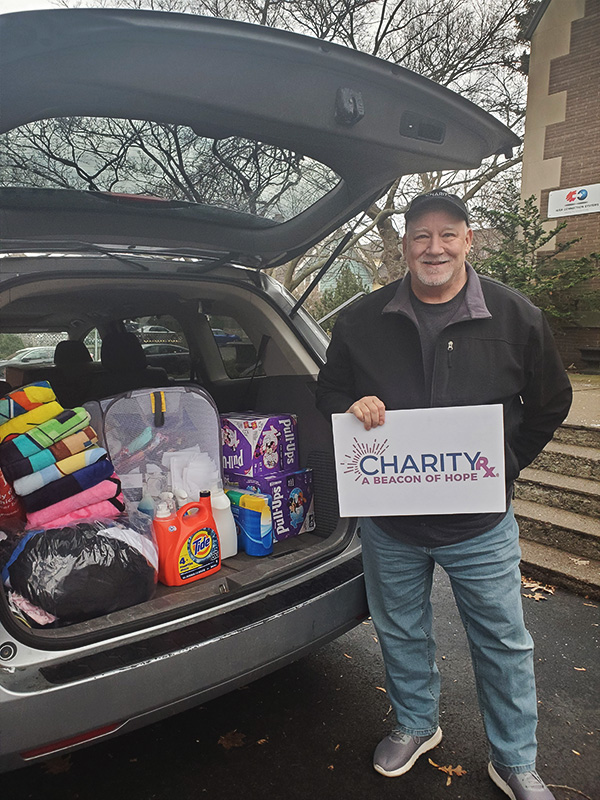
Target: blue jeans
(486,582)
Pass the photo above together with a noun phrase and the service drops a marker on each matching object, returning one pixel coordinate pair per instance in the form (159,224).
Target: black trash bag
(83,571)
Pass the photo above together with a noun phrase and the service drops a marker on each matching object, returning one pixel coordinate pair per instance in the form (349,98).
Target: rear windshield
(165,161)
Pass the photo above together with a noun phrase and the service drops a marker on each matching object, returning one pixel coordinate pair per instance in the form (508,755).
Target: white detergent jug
(223,516)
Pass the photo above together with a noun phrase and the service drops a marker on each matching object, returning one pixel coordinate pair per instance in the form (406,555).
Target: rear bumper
(138,683)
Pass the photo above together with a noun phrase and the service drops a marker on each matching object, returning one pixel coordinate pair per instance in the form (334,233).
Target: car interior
(96,306)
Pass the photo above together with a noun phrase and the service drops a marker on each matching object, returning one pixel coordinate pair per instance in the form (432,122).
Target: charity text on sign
(421,461)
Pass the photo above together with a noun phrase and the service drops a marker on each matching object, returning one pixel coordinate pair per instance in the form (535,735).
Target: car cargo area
(231,331)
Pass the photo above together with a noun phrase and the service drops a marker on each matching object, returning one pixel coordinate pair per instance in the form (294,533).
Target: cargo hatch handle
(349,107)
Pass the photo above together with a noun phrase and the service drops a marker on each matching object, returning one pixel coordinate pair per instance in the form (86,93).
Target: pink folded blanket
(109,490)
(105,509)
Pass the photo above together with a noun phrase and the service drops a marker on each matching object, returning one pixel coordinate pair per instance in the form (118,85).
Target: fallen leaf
(536,586)
(330,766)
(449,770)
(337,747)
(347,656)
(263,741)
(581,562)
(591,605)
(381,689)
(232,739)
(536,596)
(576,753)
(580,669)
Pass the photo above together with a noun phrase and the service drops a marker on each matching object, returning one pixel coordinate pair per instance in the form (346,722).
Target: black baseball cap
(438,197)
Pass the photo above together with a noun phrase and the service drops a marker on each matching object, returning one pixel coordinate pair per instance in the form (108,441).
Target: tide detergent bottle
(187,539)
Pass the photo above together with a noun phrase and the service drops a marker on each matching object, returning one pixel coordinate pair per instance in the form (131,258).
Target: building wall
(562,132)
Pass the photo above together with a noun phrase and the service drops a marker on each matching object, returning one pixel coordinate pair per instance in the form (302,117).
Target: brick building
(562,136)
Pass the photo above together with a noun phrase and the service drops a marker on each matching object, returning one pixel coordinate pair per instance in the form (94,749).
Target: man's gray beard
(432,280)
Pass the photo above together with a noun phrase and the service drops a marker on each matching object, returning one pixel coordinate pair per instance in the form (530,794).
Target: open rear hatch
(353,123)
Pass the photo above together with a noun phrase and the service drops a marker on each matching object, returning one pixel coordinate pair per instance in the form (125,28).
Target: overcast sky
(6,6)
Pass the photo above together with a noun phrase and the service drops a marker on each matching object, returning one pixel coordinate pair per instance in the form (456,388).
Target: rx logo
(482,463)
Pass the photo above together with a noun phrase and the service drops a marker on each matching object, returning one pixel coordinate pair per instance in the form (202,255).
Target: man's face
(435,246)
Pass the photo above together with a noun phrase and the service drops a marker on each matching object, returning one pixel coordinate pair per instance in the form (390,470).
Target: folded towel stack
(51,457)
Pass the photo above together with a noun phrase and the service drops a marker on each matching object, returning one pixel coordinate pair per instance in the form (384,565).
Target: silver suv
(254,145)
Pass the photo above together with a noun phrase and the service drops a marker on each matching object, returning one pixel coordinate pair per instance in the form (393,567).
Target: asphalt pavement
(308,731)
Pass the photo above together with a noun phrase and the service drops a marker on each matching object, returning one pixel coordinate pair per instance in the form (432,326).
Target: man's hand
(369,410)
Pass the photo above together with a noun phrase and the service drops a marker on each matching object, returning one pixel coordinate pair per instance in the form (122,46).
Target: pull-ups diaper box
(292,500)
(259,445)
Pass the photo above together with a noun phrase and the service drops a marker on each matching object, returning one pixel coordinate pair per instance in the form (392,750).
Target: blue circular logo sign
(582,194)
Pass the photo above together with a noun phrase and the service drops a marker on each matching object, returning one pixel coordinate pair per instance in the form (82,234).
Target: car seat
(71,377)
(124,368)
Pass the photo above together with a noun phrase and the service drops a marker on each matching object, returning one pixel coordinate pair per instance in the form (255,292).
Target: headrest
(69,354)
(122,352)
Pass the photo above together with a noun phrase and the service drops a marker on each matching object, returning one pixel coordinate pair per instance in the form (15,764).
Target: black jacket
(500,351)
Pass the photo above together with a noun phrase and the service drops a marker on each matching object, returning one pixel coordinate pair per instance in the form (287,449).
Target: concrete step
(562,569)
(567,459)
(580,495)
(581,435)
(564,530)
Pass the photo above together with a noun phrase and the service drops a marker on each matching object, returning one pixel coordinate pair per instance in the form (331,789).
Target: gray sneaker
(397,753)
(520,786)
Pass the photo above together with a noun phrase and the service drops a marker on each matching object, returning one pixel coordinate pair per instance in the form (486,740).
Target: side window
(237,351)
(25,352)
(164,343)
(93,342)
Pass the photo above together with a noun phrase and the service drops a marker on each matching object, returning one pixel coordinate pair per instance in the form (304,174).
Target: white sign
(422,461)
(577,200)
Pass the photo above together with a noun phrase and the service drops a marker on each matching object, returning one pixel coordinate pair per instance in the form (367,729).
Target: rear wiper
(123,259)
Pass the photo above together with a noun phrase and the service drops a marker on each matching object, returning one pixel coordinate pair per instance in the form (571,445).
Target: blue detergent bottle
(254,522)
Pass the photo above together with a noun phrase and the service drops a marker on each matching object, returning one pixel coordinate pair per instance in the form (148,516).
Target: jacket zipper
(450,351)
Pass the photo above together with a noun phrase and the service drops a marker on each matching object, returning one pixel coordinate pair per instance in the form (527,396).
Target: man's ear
(469,239)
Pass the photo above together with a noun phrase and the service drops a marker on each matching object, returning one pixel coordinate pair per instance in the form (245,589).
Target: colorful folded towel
(75,443)
(68,486)
(45,434)
(15,468)
(30,420)
(31,483)
(25,399)
(108,490)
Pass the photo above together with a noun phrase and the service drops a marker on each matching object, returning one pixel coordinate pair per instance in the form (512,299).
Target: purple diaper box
(292,501)
(257,444)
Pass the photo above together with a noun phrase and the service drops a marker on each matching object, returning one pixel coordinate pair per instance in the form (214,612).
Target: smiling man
(444,336)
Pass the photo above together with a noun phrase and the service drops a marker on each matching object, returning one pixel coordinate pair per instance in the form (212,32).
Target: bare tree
(470,46)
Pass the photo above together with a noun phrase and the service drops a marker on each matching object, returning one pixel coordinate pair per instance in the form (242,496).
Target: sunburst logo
(351,462)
